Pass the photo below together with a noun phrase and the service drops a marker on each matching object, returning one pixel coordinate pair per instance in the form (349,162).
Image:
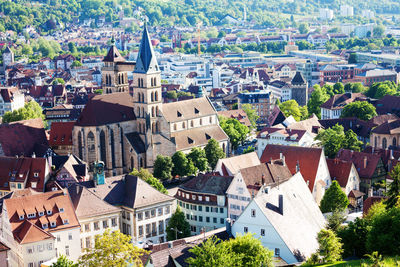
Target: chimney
(370,192)
(365,162)
(33,155)
(281,155)
(297,166)
(391,154)
(281,204)
(263,179)
(228,226)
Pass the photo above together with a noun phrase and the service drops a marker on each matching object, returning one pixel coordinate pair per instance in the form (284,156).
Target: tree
(112,249)
(236,131)
(251,114)
(334,199)
(354,87)
(72,48)
(359,109)
(249,149)
(351,141)
(318,97)
(330,248)
(58,81)
(76,63)
(178,227)
(352,58)
(338,88)
(244,250)
(221,34)
(163,167)
(378,31)
(394,188)
(304,113)
(291,108)
(380,89)
(63,261)
(335,220)
(331,139)
(353,238)
(171,95)
(31,110)
(182,166)
(146,176)
(198,156)
(303,28)
(213,152)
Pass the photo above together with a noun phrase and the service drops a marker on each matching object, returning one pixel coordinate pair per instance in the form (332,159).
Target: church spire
(146,61)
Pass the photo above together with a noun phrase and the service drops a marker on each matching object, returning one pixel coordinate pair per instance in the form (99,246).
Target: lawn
(387,262)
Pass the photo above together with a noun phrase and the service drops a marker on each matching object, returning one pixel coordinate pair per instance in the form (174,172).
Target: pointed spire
(146,61)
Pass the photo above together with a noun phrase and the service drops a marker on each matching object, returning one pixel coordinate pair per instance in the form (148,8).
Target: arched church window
(103,147)
(153,112)
(80,147)
(91,148)
(156,96)
(384,143)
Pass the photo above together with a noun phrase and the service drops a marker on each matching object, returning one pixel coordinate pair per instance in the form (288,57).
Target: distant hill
(19,13)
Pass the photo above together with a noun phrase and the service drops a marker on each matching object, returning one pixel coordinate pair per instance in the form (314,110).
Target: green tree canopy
(236,131)
(112,249)
(213,152)
(318,97)
(76,63)
(380,89)
(163,167)
(291,107)
(178,226)
(251,114)
(353,237)
(303,28)
(243,250)
(31,110)
(146,176)
(394,188)
(198,156)
(334,199)
(354,87)
(63,261)
(359,109)
(182,166)
(330,247)
(58,81)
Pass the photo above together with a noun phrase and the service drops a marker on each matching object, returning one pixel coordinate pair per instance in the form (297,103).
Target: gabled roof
(365,163)
(389,127)
(106,109)
(61,133)
(298,79)
(232,165)
(208,184)
(339,101)
(388,104)
(127,190)
(307,158)
(29,233)
(187,109)
(113,55)
(23,138)
(339,170)
(87,204)
(146,61)
(301,219)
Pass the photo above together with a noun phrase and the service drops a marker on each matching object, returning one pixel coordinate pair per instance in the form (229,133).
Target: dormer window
(36,174)
(21,175)
(178,114)
(45,225)
(33,184)
(66,221)
(21,217)
(196,111)
(52,224)
(49,212)
(61,209)
(41,213)
(31,215)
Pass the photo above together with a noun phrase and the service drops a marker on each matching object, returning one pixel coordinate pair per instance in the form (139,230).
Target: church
(127,132)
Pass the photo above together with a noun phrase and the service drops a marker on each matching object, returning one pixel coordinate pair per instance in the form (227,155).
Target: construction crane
(198,37)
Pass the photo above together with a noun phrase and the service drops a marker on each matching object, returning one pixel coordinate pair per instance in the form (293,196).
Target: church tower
(115,71)
(147,88)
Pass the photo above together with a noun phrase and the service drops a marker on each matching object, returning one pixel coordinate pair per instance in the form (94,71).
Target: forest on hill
(17,14)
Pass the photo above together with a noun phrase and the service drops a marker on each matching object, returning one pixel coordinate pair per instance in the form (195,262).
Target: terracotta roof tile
(365,163)
(61,133)
(339,170)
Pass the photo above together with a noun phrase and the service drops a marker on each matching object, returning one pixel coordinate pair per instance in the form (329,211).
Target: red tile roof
(307,158)
(31,229)
(369,202)
(339,170)
(23,170)
(23,138)
(238,114)
(61,133)
(365,163)
(340,100)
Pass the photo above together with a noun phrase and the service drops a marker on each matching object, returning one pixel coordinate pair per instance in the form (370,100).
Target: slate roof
(359,127)
(307,158)
(127,190)
(88,204)
(298,79)
(146,61)
(208,184)
(301,220)
(136,142)
(106,109)
(388,104)
(23,138)
(380,119)
(113,55)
